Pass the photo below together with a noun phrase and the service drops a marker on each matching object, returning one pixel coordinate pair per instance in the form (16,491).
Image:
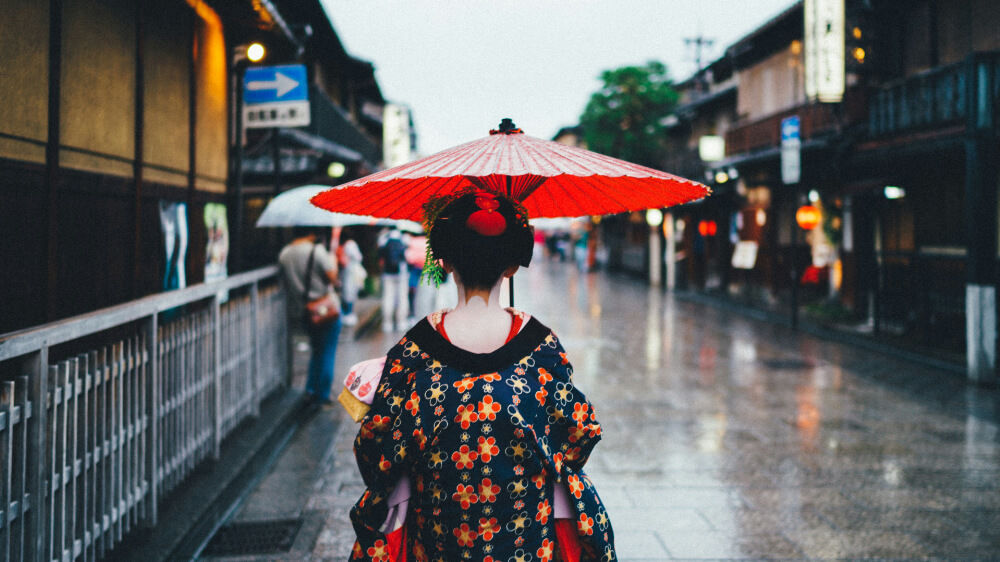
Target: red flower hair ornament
(487,221)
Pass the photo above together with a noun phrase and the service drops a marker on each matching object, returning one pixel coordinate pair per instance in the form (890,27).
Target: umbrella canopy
(560,223)
(550,179)
(292,208)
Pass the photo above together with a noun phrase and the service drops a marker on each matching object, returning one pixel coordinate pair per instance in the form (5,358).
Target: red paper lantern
(707,228)
(808,217)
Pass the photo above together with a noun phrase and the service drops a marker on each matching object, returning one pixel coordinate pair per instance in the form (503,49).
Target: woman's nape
(478,323)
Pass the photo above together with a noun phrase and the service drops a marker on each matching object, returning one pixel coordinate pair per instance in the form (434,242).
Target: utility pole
(699,44)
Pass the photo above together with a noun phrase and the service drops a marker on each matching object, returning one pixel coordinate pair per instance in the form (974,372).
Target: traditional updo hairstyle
(480,234)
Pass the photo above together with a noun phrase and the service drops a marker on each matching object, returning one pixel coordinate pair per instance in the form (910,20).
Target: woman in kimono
(477,415)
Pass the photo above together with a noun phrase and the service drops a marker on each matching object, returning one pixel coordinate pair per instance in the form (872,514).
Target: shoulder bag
(324,310)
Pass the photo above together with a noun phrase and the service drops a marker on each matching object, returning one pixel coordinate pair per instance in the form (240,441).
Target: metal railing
(104,414)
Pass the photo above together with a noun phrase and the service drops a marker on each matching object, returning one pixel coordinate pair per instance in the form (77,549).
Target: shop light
(336,169)
(761,217)
(707,228)
(734,173)
(894,192)
(654,217)
(711,148)
(721,177)
(808,217)
(255,52)
(813,196)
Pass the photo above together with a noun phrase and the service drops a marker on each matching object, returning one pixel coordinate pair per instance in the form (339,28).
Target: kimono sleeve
(572,430)
(388,441)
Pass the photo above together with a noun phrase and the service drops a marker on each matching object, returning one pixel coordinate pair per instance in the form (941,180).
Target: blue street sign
(790,129)
(791,150)
(269,84)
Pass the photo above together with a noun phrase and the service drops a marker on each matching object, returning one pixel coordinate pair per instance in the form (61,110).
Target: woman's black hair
(480,259)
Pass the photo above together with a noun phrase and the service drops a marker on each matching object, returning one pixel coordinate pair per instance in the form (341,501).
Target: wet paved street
(724,438)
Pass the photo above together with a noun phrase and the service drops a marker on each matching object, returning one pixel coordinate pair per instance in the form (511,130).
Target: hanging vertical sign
(396,135)
(809,47)
(791,149)
(824,49)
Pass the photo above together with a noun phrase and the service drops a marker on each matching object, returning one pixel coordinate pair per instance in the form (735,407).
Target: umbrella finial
(507,127)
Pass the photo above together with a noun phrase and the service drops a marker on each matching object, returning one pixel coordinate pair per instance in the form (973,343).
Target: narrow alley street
(724,438)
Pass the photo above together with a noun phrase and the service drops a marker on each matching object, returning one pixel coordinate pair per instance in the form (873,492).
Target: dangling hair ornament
(433,271)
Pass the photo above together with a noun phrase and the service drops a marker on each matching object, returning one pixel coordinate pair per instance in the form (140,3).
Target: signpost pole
(791,170)
(266,97)
(276,158)
(795,274)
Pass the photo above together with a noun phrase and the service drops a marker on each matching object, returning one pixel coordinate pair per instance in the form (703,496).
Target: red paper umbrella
(549,178)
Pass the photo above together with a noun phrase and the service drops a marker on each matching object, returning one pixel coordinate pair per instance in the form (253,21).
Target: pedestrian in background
(353,276)
(395,282)
(415,251)
(474,444)
(308,272)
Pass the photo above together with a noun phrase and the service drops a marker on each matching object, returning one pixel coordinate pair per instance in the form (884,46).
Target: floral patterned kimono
(483,438)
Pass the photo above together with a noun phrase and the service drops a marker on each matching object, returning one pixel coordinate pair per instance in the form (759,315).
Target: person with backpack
(395,282)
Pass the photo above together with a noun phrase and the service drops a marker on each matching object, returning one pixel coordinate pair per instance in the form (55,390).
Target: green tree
(622,119)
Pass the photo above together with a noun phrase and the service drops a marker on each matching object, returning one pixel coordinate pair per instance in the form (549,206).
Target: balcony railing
(103,414)
(748,136)
(938,98)
(815,120)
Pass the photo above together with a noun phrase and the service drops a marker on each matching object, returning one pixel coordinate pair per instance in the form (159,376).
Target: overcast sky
(462,65)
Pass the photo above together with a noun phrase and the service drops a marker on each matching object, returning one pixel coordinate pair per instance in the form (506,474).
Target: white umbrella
(292,208)
(555,223)
(413,227)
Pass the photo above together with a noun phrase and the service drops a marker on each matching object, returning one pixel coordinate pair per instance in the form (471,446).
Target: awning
(331,122)
(763,155)
(319,144)
(301,153)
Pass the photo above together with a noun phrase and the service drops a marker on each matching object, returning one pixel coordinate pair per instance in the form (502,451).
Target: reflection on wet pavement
(725,437)
(729,438)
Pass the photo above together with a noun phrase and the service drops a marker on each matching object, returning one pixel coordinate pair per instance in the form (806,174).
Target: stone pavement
(724,438)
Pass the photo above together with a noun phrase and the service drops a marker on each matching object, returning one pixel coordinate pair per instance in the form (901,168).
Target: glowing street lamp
(255,52)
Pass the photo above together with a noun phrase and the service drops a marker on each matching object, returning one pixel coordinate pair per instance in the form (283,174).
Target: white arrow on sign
(281,83)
